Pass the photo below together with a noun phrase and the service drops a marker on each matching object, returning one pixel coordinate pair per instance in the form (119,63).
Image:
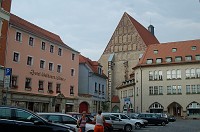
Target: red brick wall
(6,5)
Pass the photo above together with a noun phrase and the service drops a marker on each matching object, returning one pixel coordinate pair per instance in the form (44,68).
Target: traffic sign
(8,71)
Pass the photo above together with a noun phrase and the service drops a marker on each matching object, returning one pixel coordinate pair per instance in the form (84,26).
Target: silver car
(117,123)
(65,119)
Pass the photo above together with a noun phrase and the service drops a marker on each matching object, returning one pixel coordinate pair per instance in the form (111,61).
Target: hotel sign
(42,74)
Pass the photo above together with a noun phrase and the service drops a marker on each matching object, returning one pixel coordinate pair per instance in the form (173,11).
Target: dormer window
(149,61)
(178,58)
(99,70)
(168,59)
(193,48)
(174,49)
(188,58)
(155,51)
(159,60)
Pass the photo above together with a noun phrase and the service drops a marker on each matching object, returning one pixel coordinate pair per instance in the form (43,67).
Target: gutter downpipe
(141,87)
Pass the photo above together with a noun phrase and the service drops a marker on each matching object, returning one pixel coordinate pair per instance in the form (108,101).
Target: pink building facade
(44,69)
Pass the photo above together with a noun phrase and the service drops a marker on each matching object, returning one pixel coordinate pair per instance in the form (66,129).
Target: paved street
(178,126)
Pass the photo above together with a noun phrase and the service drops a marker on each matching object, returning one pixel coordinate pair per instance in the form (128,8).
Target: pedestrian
(81,123)
(99,119)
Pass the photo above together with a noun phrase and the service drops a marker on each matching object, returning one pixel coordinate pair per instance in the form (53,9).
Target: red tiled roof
(92,64)
(165,50)
(27,26)
(115,99)
(146,36)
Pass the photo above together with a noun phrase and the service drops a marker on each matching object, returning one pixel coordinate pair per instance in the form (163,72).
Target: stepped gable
(129,35)
(183,48)
(27,26)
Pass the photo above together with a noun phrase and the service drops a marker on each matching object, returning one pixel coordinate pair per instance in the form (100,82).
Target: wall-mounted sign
(42,74)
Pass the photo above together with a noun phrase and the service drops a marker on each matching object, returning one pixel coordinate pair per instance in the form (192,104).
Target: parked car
(138,123)
(90,119)
(65,119)
(153,118)
(171,118)
(135,116)
(118,124)
(15,119)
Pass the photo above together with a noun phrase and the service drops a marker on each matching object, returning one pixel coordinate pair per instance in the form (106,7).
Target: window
(178,58)
(187,73)
(174,89)
(130,92)
(150,75)
(160,75)
(59,68)
(156,90)
(59,51)
(51,48)
(43,46)
(99,70)
(169,74)
(58,86)
(178,74)
(29,60)
(22,115)
(159,60)
(103,89)
(95,87)
(99,88)
(179,89)
(28,83)
(193,47)
(193,88)
(71,90)
(72,72)
(197,57)
(173,74)
(168,59)
(14,82)
(42,64)
(73,56)
(187,88)
(198,88)
(155,51)
(192,73)
(198,73)
(16,57)
(149,61)
(160,89)
(5,113)
(169,89)
(50,66)
(174,49)
(188,58)
(155,75)
(41,85)
(151,90)
(18,36)
(50,86)
(31,39)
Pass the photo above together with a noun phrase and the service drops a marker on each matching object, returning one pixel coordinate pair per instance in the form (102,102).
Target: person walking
(99,122)
(82,122)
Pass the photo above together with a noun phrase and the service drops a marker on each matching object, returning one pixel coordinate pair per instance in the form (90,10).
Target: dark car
(153,118)
(171,118)
(90,119)
(15,119)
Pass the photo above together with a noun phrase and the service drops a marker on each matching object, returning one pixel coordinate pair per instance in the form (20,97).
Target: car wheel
(137,125)
(128,128)
(163,124)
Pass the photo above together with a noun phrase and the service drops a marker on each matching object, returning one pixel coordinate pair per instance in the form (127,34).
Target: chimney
(151,29)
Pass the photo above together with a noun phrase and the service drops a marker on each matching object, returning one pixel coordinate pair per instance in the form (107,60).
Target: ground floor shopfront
(39,103)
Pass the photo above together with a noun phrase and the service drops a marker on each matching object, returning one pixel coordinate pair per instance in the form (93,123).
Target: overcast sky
(87,25)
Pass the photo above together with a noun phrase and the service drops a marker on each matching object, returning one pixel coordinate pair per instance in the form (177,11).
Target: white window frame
(169,75)
(44,64)
(20,36)
(42,45)
(29,41)
(27,63)
(18,60)
(60,53)
(73,72)
(60,68)
(50,48)
(52,66)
